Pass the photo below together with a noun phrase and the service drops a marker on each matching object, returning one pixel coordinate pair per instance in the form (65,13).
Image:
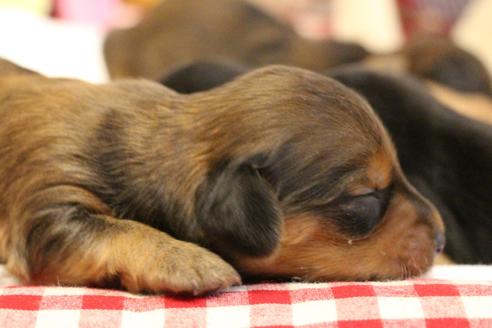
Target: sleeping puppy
(447,156)
(179,32)
(281,173)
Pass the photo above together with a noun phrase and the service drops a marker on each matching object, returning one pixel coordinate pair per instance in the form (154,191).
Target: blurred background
(64,37)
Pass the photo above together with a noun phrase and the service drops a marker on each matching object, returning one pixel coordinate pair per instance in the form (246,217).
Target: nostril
(439,242)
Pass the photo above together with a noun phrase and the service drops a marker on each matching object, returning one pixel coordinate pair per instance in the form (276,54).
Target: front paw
(175,267)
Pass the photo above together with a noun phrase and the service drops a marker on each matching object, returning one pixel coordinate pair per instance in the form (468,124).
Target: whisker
(402,271)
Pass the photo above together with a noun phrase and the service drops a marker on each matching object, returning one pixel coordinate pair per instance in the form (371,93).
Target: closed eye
(359,215)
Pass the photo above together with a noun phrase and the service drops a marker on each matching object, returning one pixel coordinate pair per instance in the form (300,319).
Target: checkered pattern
(412,303)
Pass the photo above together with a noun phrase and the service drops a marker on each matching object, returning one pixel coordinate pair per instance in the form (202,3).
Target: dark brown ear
(238,210)
(201,76)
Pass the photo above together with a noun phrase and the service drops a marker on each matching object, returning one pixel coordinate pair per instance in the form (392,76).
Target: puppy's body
(261,176)
(445,155)
(56,226)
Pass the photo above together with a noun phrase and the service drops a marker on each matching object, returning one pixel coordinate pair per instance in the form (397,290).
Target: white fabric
(53,48)
(474,273)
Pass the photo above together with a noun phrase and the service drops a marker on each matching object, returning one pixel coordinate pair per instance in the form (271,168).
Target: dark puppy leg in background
(202,76)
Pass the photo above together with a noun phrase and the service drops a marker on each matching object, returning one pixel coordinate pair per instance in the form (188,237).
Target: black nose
(439,241)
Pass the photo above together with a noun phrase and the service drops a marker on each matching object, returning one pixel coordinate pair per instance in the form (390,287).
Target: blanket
(435,300)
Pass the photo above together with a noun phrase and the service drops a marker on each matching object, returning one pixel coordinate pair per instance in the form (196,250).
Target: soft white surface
(474,31)
(371,23)
(461,273)
(53,48)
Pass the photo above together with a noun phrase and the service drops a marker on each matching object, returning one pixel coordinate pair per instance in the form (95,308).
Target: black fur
(56,230)
(240,194)
(190,78)
(116,189)
(201,76)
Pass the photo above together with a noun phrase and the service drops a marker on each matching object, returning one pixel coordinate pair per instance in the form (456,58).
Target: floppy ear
(201,76)
(238,211)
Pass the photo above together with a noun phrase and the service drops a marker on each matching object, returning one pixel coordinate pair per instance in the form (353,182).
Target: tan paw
(166,265)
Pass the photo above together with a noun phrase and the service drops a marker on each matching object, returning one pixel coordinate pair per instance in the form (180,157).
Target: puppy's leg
(66,241)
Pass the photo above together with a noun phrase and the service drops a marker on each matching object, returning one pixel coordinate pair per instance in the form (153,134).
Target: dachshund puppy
(179,32)
(447,156)
(281,173)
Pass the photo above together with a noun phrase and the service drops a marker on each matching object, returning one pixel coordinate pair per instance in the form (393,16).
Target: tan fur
(473,105)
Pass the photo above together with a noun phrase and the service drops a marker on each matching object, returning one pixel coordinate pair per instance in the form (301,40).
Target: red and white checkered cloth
(411,303)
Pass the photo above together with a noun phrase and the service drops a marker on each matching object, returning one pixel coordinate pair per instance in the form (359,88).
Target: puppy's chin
(402,246)
(341,263)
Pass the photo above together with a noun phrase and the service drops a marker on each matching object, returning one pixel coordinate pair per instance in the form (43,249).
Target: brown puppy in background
(179,32)
(281,173)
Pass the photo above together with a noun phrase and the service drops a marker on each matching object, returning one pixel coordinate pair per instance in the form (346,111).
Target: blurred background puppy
(177,33)
(180,32)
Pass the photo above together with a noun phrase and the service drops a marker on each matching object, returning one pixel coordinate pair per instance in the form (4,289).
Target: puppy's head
(304,181)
